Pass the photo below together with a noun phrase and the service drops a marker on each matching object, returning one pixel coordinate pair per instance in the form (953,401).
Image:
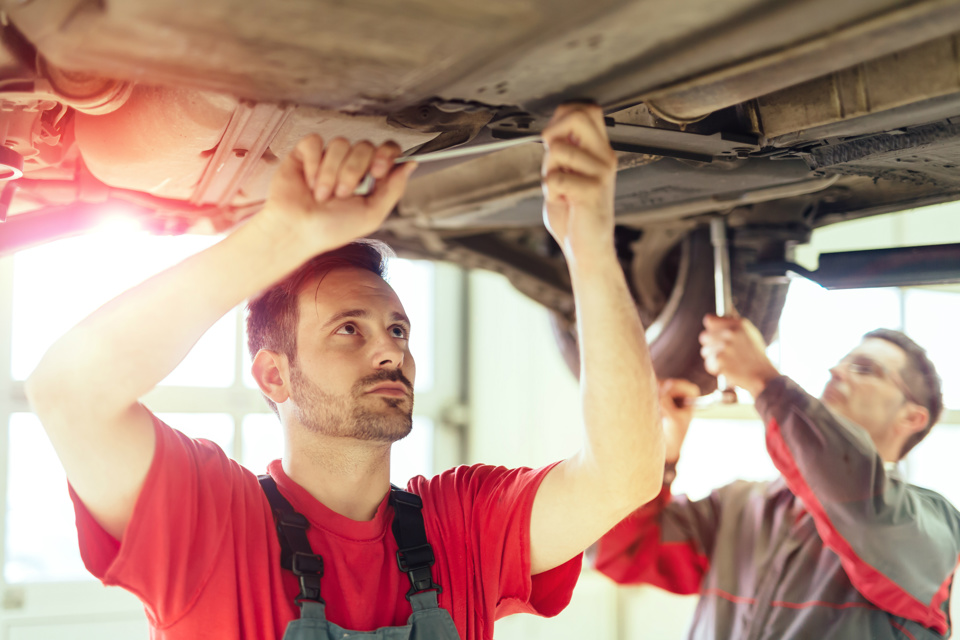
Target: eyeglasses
(862,366)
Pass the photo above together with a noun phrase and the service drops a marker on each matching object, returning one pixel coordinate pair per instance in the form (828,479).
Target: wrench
(724,292)
(725,393)
(366,185)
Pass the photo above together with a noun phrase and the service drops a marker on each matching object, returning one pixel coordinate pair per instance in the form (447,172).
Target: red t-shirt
(201,550)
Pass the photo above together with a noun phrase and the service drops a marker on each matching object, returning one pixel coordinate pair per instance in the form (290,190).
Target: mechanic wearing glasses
(837,547)
(323,549)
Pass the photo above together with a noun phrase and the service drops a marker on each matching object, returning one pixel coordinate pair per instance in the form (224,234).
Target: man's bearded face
(355,414)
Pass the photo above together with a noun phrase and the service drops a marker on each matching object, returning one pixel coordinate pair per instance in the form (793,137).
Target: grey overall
(414,557)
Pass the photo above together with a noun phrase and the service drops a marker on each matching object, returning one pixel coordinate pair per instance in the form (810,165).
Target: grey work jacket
(837,547)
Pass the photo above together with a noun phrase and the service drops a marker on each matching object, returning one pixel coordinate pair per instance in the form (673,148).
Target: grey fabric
(909,534)
(776,572)
(427,622)
(767,552)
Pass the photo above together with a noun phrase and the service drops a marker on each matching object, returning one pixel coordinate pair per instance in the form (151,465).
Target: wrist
(284,235)
(759,382)
(597,260)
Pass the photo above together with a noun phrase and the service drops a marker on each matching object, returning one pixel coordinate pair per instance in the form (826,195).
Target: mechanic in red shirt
(839,547)
(195,535)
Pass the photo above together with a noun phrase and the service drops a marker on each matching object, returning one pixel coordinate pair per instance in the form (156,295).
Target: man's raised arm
(86,388)
(621,463)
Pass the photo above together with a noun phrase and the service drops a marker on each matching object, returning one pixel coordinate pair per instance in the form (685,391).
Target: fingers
(734,347)
(337,169)
(354,166)
(387,192)
(560,186)
(716,323)
(579,172)
(308,152)
(678,388)
(726,329)
(717,340)
(384,158)
(677,412)
(720,330)
(582,126)
(675,397)
(333,156)
(568,157)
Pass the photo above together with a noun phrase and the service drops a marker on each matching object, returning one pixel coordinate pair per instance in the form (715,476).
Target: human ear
(270,370)
(915,418)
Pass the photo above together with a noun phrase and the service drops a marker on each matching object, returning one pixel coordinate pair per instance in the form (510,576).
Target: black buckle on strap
(416,563)
(415,558)
(308,567)
(307,564)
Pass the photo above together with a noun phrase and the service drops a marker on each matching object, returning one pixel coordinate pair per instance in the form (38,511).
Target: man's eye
(347,330)
(865,369)
(399,332)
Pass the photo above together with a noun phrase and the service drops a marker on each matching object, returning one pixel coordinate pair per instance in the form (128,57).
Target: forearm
(624,441)
(103,365)
(620,464)
(808,443)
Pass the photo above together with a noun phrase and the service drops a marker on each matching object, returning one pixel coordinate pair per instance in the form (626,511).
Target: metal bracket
(636,138)
(896,267)
(247,137)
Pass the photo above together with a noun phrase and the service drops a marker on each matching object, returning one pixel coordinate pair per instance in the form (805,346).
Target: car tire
(672,333)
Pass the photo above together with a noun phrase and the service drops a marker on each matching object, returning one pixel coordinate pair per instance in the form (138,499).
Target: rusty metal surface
(206,147)
(379,55)
(907,77)
(371,55)
(925,156)
(245,143)
(227,87)
(158,142)
(650,45)
(837,49)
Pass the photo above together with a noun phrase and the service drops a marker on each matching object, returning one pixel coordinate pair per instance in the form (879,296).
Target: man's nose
(838,371)
(387,354)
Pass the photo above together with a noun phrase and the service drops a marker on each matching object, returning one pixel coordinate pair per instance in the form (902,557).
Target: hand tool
(725,393)
(724,292)
(366,185)
(632,138)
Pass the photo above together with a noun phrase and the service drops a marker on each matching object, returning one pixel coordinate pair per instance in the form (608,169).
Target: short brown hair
(920,377)
(273,315)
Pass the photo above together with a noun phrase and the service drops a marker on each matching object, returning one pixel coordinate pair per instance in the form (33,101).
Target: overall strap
(295,552)
(414,555)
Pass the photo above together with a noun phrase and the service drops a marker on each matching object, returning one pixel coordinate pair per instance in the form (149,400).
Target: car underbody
(782,116)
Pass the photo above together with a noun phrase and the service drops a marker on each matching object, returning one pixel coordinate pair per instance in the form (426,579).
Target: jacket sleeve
(665,543)
(898,543)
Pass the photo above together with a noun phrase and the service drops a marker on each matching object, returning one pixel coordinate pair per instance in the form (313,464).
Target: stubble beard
(353,415)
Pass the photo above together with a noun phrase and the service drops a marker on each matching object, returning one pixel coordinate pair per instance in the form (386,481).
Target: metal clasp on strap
(295,552)
(308,567)
(416,563)
(415,555)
